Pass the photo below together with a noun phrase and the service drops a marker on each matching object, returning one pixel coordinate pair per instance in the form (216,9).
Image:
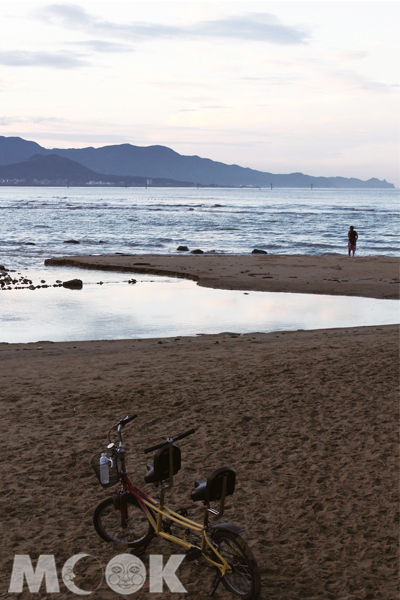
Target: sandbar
(370,277)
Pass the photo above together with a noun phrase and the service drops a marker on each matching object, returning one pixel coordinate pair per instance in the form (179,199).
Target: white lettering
(46,567)
(158,573)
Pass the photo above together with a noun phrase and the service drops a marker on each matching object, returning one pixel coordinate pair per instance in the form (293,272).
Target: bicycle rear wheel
(132,529)
(244,579)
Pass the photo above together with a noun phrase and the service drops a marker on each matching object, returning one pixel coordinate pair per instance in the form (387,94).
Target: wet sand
(371,277)
(308,420)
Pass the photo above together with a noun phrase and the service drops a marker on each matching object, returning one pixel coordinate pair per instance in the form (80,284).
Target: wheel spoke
(244,579)
(130,527)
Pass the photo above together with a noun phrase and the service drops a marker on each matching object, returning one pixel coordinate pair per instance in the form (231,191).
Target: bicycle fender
(235,529)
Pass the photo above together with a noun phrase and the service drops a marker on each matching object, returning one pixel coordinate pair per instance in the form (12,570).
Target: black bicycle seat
(199,492)
(211,490)
(158,471)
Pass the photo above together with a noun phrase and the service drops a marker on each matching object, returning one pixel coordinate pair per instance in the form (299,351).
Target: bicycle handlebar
(183,435)
(125,421)
(119,425)
(175,439)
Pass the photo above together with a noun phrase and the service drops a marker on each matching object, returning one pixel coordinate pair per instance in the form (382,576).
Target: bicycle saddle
(158,471)
(210,490)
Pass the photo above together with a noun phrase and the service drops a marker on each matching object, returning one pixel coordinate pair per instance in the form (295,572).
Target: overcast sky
(275,86)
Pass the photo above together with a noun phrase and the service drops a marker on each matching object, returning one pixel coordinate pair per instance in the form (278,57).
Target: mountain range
(51,169)
(135,165)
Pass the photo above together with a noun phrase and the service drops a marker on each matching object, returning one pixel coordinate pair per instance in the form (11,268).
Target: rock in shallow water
(73,284)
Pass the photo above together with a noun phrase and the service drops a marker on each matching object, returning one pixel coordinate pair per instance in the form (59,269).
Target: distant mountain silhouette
(162,162)
(56,169)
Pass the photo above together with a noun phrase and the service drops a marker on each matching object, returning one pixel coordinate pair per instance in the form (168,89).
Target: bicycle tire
(244,580)
(107,522)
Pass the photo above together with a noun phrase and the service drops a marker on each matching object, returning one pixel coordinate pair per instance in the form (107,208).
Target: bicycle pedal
(193,554)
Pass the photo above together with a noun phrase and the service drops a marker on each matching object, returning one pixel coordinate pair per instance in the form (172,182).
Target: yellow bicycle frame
(164,511)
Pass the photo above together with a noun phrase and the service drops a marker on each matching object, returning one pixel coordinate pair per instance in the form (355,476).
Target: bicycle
(133,518)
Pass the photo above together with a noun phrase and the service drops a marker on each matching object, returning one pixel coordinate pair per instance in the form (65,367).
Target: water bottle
(104,475)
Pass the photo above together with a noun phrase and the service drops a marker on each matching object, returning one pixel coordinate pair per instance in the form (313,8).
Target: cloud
(348,56)
(260,27)
(272,80)
(104,46)
(40,59)
(65,14)
(354,80)
(204,107)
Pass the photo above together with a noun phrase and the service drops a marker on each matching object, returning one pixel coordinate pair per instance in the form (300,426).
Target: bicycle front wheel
(244,579)
(129,526)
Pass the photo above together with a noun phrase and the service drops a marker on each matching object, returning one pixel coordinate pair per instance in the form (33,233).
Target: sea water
(108,307)
(35,223)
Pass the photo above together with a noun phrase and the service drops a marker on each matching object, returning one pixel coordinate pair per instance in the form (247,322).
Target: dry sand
(307,419)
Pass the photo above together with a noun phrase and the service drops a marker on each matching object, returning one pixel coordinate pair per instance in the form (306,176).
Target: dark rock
(29,244)
(256,251)
(182,249)
(132,281)
(73,284)
(2,268)
(71,242)
(198,251)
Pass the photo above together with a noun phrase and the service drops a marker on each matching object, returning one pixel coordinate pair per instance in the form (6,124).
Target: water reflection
(164,307)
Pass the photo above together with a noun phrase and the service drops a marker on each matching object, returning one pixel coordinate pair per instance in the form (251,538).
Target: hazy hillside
(58,169)
(162,162)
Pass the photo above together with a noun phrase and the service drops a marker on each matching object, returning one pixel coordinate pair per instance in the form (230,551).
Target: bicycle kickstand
(217,581)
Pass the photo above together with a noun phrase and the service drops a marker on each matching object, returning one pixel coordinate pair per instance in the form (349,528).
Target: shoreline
(370,277)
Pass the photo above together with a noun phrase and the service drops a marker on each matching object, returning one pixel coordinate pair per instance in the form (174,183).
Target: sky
(276,86)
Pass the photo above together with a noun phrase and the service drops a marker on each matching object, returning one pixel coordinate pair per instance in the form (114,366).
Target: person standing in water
(353,237)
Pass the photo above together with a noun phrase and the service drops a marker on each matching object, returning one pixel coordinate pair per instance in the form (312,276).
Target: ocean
(36,222)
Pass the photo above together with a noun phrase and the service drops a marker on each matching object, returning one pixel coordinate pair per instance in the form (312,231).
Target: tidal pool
(165,307)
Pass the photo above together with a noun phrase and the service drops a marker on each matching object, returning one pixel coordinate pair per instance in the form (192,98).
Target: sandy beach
(308,420)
